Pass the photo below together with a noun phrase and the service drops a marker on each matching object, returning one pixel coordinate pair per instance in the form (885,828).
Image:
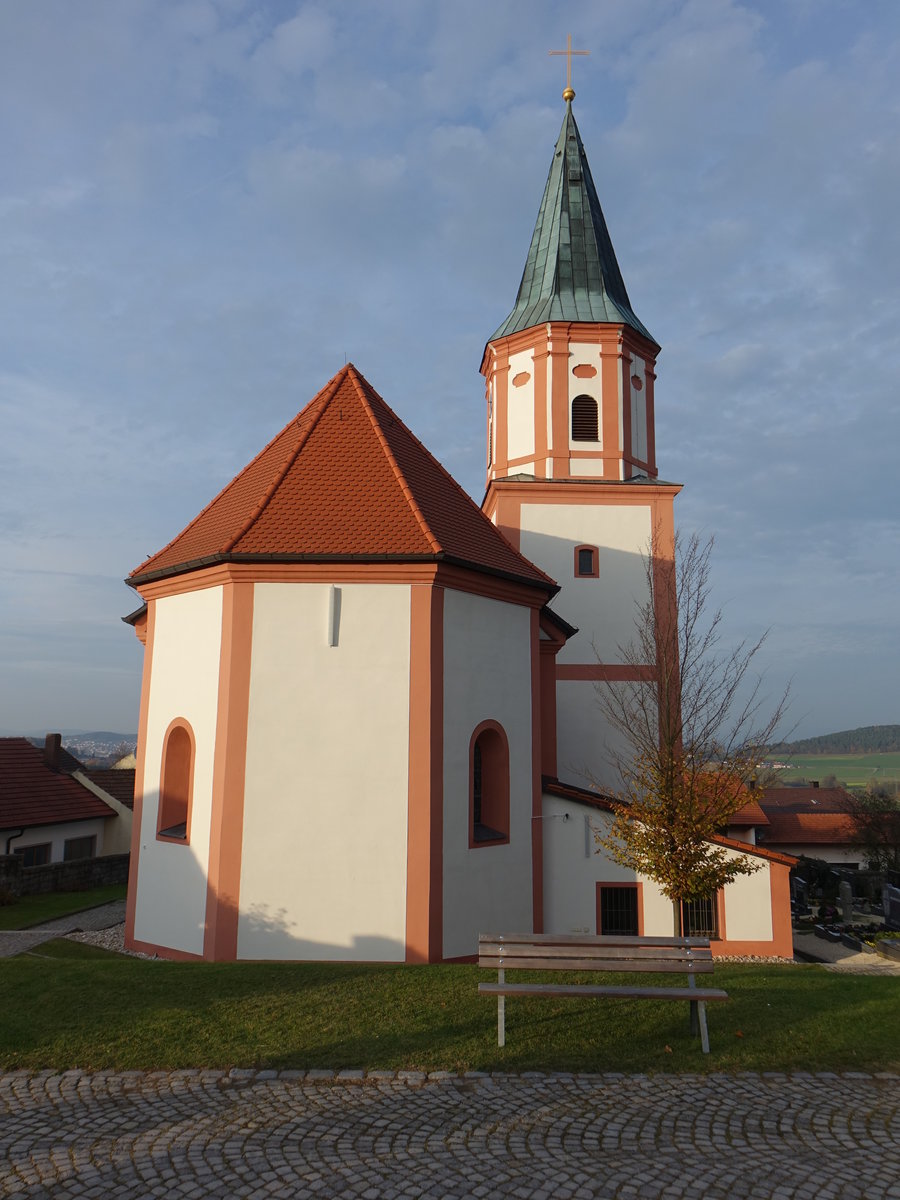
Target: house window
(34,856)
(81,847)
(176,782)
(488,785)
(587,562)
(618,910)
(584,419)
(700,918)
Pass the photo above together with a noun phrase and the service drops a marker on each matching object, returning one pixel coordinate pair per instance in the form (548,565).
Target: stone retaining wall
(75,876)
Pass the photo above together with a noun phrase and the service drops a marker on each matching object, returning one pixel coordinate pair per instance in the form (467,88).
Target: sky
(208,206)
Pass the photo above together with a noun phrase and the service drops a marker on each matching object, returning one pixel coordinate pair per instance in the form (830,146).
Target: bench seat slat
(652,954)
(577,939)
(571,963)
(590,989)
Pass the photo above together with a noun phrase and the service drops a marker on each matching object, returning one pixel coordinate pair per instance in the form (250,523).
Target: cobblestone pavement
(14,941)
(195,1134)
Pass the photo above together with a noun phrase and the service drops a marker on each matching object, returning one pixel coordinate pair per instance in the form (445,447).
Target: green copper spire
(571,273)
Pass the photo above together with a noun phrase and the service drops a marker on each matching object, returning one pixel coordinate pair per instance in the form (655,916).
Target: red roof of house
(751,814)
(31,793)
(804,799)
(344,480)
(824,828)
(116,781)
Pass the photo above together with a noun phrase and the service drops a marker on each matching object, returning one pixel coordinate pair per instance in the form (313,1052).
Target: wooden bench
(562,952)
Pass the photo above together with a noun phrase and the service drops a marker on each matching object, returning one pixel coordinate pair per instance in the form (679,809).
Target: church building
(369,728)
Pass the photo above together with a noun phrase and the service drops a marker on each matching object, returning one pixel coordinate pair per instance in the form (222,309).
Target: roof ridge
(259,508)
(357,381)
(462,491)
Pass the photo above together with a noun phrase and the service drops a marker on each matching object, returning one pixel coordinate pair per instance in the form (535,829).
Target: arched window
(584,419)
(176,783)
(488,785)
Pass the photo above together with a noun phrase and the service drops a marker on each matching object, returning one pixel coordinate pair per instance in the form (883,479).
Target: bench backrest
(568,952)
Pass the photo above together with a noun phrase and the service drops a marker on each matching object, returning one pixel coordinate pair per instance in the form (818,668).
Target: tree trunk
(676,917)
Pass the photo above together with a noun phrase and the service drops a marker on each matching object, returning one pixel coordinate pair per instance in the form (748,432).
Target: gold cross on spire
(569,93)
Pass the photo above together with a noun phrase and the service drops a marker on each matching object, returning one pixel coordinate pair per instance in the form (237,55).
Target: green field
(854,770)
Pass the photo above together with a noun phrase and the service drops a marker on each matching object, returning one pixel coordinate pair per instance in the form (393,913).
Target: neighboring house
(51,810)
(364,732)
(810,821)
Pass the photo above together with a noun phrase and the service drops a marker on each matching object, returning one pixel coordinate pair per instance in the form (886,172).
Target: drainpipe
(12,837)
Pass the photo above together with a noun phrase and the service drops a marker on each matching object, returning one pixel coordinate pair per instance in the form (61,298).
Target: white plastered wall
(748,905)
(602,608)
(323,872)
(583,353)
(520,424)
(56,837)
(574,863)
(487,676)
(184,682)
(639,410)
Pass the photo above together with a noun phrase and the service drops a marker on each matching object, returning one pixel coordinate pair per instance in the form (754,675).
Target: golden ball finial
(569,95)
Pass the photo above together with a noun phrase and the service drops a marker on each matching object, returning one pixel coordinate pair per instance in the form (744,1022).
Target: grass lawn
(68,1005)
(32,910)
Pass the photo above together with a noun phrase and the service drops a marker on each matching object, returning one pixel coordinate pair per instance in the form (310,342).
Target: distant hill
(870,739)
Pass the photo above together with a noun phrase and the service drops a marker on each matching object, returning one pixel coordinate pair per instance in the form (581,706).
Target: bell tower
(572,478)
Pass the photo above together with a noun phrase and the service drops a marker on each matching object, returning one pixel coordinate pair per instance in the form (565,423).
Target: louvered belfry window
(584,419)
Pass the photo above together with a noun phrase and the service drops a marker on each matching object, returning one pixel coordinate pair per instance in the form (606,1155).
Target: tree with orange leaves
(693,736)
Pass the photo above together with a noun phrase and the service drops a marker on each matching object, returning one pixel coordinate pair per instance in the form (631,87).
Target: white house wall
(56,837)
(487,676)
(171,895)
(603,608)
(323,872)
(574,864)
(586,744)
(748,906)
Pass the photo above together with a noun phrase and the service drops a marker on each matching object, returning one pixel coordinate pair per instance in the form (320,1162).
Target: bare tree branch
(695,725)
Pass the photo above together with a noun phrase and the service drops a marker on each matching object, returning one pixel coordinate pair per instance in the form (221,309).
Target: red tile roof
(33,794)
(344,480)
(804,799)
(750,814)
(822,828)
(116,781)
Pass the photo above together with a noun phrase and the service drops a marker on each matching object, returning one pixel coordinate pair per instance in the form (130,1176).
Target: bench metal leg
(698,1018)
(704,1034)
(501,1011)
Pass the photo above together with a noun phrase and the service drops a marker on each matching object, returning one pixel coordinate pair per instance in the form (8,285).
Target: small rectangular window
(83,847)
(586,562)
(700,918)
(617,911)
(34,856)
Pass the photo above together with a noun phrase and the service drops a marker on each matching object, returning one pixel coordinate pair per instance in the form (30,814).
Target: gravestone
(846,901)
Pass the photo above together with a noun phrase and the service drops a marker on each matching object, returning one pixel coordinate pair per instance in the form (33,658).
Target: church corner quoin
(368,714)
